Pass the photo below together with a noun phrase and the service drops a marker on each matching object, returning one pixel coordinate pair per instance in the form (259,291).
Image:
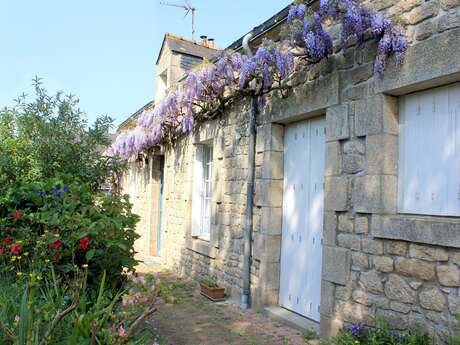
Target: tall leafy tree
(50,135)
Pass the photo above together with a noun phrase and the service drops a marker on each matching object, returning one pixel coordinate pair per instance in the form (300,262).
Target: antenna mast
(188,9)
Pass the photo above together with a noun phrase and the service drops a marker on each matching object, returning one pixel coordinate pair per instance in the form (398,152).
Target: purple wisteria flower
(393,42)
(379,24)
(188,124)
(146,118)
(352,24)
(296,12)
(318,42)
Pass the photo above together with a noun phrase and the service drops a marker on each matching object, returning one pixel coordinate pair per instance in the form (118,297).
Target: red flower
(17,215)
(57,256)
(7,240)
(55,245)
(2,250)
(84,242)
(16,249)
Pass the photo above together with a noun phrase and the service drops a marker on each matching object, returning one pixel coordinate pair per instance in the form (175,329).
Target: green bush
(455,332)
(66,224)
(49,135)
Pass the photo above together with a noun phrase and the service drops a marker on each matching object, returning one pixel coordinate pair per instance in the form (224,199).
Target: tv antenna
(187,6)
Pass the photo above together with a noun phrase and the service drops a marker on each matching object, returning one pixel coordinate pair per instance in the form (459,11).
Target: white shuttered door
(429,152)
(303,200)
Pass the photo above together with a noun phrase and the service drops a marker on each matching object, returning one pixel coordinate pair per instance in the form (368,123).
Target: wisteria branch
(206,93)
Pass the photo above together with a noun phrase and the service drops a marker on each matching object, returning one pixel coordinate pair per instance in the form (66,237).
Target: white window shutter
(197,190)
(454,177)
(429,152)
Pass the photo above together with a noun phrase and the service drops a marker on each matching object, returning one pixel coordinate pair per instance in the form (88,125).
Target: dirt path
(191,319)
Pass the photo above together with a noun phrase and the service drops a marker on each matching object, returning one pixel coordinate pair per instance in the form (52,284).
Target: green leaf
(24,317)
(90,254)
(122,246)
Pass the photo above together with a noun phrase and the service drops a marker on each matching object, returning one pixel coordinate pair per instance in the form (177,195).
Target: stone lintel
(304,101)
(430,63)
(427,230)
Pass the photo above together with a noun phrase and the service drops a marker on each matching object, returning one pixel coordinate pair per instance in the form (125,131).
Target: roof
(182,45)
(134,116)
(261,30)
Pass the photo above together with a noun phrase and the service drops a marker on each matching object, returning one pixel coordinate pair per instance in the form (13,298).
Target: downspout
(249,188)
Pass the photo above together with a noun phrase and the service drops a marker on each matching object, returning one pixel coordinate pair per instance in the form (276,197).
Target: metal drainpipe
(249,188)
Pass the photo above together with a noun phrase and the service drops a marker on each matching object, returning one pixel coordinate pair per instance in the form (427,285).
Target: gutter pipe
(247,259)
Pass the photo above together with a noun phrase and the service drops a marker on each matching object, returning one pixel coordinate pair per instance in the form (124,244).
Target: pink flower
(122,332)
(17,318)
(2,250)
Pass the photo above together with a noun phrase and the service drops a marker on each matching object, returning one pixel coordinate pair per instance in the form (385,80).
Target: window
(202,191)
(162,85)
(429,152)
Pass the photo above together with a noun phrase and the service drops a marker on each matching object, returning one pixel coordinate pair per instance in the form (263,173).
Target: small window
(202,191)
(429,152)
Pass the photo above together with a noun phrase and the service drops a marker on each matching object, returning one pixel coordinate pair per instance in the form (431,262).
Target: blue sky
(104,51)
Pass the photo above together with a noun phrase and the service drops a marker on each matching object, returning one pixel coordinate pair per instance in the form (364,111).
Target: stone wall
(376,262)
(222,255)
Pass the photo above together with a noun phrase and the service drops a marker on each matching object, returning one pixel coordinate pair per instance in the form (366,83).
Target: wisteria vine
(213,86)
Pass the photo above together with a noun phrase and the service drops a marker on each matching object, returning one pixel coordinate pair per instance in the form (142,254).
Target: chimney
(204,40)
(211,43)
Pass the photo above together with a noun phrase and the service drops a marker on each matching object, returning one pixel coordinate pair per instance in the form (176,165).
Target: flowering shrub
(207,91)
(68,226)
(358,334)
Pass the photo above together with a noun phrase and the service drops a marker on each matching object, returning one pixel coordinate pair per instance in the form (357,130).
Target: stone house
(357,187)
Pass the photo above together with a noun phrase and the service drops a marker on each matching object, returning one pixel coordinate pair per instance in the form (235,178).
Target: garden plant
(66,248)
(358,334)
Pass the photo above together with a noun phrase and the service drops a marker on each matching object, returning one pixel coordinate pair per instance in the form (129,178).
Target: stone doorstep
(150,260)
(292,319)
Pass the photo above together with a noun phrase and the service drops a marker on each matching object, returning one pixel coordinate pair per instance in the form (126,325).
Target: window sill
(203,247)
(433,230)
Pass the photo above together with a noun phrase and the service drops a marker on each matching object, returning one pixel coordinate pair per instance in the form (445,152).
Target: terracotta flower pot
(213,293)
